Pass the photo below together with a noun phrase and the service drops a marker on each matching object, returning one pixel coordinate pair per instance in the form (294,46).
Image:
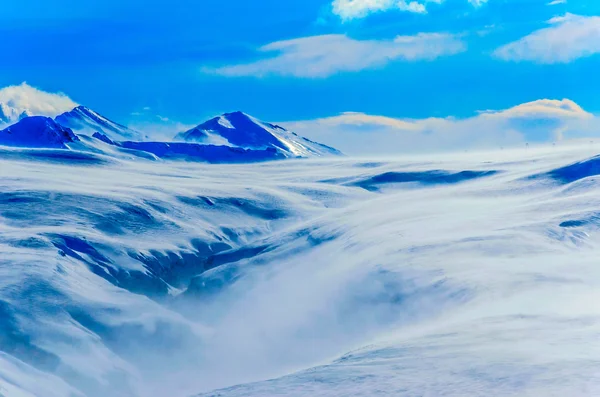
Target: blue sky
(303,60)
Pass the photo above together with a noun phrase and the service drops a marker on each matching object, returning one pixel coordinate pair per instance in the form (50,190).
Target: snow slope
(473,274)
(244,131)
(37,132)
(191,151)
(87,121)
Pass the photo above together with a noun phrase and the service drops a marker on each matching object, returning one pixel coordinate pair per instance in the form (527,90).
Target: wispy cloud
(323,56)
(18,99)
(355,9)
(556,2)
(569,38)
(542,120)
(159,128)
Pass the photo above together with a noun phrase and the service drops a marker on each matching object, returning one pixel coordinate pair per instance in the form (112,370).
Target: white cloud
(354,9)
(18,99)
(539,121)
(556,2)
(542,108)
(569,37)
(322,56)
(159,128)
(413,6)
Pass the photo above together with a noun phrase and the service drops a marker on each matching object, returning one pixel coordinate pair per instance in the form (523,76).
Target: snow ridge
(37,132)
(242,130)
(85,120)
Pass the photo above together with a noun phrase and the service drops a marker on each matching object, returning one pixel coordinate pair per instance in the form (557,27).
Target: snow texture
(464,275)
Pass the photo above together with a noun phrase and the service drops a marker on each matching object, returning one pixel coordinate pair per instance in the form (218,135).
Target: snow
(471,274)
(244,131)
(184,151)
(20,380)
(207,153)
(249,141)
(225,123)
(37,132)
(84,120)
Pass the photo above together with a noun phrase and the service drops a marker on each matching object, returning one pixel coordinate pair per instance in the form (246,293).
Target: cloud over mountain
(20,100)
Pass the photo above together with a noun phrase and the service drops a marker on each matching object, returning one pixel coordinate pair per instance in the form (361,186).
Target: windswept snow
(225,122)
(471,274)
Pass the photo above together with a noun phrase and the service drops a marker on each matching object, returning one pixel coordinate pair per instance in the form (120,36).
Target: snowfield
(473,274)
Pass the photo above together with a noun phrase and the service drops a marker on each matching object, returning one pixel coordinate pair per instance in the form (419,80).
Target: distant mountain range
(231,137)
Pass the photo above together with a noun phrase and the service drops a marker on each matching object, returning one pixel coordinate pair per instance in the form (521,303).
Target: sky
(332,69)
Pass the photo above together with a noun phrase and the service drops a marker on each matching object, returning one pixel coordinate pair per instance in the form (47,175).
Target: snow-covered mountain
(231,138)
(84,120)
(244,131)
(37,132)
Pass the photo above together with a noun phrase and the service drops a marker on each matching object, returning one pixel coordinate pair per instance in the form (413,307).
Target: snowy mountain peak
(237,114)
(85,110)
(228,119)
(37,132)
(243,119)
(86,120)
(244,131)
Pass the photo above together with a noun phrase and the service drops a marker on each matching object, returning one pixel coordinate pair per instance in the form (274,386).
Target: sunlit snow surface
(467,275)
